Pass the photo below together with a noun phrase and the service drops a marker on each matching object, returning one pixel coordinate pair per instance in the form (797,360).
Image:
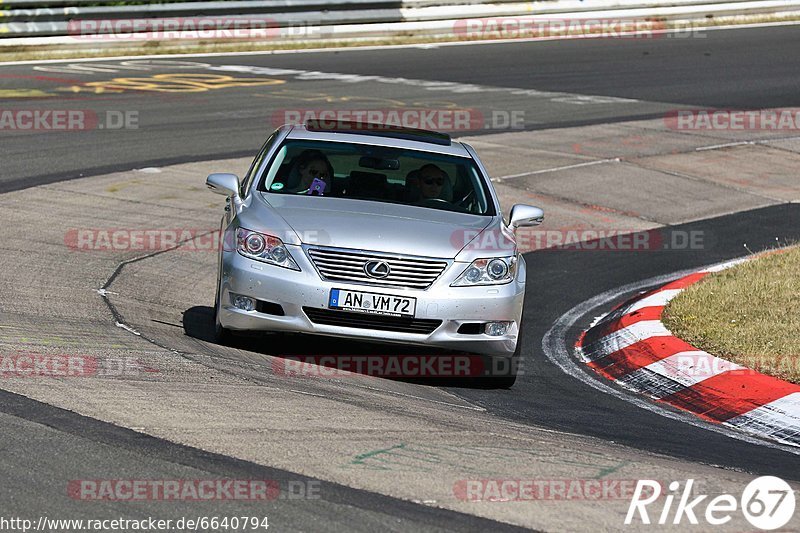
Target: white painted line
(779,419)
(685,368)
(472,405)
(338,77)
(622,338)
(788,406)
(128,329)
(777,139)
(725,145)
(104,293)
(554,344)
(726,265)
(746,143)
(556,169)
(308,393)
(659,299)
(340,49)
(429,85)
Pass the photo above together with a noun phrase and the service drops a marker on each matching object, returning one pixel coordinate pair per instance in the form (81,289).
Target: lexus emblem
(376,269)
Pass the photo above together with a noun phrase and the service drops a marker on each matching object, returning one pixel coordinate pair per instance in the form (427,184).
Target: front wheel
(507,367)
(222,335)
(500,382)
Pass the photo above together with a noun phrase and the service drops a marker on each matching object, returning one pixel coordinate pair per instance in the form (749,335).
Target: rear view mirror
(378,163)
(525,215)
(221,183)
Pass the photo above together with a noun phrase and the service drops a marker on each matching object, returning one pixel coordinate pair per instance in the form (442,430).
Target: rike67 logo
(767,502)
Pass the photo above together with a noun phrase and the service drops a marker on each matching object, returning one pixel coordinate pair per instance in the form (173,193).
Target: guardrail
(54,21)
(53,18)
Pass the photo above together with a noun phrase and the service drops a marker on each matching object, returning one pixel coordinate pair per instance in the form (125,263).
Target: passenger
(432,180)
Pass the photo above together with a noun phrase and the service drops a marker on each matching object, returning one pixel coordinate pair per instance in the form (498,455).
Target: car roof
(380,135)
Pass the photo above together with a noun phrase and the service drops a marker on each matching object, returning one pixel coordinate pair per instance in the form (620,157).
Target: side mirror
(525,215)
(227,184)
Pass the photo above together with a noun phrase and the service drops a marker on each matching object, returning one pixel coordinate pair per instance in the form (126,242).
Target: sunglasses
(321,174)
(431,181)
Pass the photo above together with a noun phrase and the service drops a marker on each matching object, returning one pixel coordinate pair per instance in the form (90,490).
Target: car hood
(366,225)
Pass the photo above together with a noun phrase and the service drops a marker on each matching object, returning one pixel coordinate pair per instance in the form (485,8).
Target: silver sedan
(371,232)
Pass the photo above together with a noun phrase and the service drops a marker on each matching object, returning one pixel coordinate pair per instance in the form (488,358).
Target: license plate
(369,302)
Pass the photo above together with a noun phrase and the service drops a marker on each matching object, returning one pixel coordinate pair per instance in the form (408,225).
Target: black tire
(222,335)
(508,380)
(500,382)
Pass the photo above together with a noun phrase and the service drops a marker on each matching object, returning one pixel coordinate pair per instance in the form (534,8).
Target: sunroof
(383,130)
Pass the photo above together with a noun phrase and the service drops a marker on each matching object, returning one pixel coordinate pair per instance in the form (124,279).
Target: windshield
(378,174)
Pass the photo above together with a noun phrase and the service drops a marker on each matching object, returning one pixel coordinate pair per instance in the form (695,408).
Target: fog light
(243,302)
(497,329)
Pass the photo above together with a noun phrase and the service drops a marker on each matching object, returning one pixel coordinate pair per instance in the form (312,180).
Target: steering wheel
(434,202)
(463,201)
(439,203)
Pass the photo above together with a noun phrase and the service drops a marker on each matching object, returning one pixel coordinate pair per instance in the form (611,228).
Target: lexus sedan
(372,232)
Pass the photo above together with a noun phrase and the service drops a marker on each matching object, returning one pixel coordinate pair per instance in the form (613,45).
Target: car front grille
(369,321)
(348,265)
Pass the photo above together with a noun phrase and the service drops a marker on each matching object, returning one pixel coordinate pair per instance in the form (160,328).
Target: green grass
(748,314)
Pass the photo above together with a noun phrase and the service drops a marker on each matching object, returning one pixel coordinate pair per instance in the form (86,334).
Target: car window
(253,171)
(378,174)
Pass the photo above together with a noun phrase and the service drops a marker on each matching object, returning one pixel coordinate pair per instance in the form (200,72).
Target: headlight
(264,248)
(493,271)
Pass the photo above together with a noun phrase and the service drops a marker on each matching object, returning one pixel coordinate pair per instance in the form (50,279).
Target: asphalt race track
(216,412)
(718,69)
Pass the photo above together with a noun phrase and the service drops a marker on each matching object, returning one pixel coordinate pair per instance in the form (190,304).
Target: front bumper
(294,290)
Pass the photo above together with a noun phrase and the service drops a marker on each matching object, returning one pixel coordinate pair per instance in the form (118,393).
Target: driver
(308,166)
